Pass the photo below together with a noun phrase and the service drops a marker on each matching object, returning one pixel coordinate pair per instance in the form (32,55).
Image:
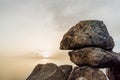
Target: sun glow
(46,54)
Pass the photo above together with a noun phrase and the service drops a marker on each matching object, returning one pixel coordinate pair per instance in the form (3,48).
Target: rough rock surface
(86,34)
(50,71)
(95,57)
(87,73)
(113,73)
(66,69)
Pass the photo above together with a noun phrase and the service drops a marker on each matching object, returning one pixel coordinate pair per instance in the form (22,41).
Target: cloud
(45,21)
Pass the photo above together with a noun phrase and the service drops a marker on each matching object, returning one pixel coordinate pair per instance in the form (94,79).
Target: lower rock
(50,71)
(87,73)
(95,57)
(113,73)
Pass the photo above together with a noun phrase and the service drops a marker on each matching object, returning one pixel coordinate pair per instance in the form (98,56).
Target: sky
(39,25)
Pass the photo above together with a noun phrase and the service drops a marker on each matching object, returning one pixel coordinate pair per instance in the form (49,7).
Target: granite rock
(66,69)
(50,71)
(86,34)
(95,57)
(113,73)
(87,73)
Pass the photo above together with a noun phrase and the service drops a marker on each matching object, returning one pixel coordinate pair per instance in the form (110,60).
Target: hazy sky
(35,25)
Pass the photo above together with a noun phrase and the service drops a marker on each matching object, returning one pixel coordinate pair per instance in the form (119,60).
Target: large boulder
(113,73)
(50,71)
(95,57)
(87,73)
(86,34)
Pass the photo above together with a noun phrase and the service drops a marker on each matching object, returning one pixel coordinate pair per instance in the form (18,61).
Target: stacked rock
(92,49)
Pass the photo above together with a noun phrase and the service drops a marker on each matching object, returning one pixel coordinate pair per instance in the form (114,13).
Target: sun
(46,54)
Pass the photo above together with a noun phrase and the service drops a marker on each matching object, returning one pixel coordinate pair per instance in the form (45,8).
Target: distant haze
(35,25)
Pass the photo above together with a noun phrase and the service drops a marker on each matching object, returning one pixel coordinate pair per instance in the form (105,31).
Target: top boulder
(88,33)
